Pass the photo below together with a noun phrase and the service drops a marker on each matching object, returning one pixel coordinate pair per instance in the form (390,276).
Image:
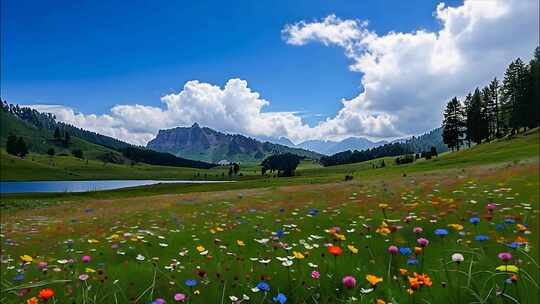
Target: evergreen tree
(67,139)
(532,103)
(11,145)
(477,124)
(57,133)
(22,149)
(495,106)
(453,124)
(513,95)
(468,120)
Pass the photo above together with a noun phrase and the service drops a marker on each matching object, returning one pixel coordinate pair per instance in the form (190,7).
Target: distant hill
(329,147)
(37,129)
(205,144)
(412,145)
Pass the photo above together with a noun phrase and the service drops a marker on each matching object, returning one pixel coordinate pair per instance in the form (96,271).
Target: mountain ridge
(206,144)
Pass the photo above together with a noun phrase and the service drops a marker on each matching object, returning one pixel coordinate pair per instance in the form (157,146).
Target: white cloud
(407,79)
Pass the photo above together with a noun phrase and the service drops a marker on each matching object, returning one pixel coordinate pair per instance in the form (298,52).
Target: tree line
(498,109)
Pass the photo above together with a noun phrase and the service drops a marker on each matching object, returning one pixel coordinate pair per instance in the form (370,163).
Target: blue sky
(91,55)
(263,68)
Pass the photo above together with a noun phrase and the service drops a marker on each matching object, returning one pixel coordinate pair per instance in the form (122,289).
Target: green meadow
(460,228)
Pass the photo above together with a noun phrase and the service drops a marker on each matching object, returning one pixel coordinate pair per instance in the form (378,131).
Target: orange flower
(32,300)
(403,271)
(419,280)
(335,250)
(380,301)
(373,279)
(417,250)
(46,293)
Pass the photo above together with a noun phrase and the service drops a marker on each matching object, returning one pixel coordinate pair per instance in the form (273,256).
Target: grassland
(226,243)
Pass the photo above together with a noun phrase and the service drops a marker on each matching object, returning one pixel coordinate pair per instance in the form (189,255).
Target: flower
(315,274)
(422,242)
(140,257)
(393,249)
(457,257)
(84,277)
(405,251)
(490,207)
(281,298)
(505,256)
(474,220)
(298,255)
(191,282)
(179,297)
(352,249)
(418,230)
(32,300)
(508,268)
(42,265)
(240,243)
(349,282)
(46,293)
(26,258)
(262,285)
(481,238)
(457,227)
(86,258)
(419,280)
(335,250)
(441,232)
(373,279)
(383,206)
(159,301)
(200,248)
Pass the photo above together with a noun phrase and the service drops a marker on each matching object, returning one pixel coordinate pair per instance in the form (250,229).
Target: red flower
(46,293)
(335,250)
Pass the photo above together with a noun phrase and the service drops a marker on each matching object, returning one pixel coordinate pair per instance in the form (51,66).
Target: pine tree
(495,110)
(67,139)
(533,91)
(57,133)
(477,124)
(513,94)
(468,120)
(11,145)
(22,149)
(453,124)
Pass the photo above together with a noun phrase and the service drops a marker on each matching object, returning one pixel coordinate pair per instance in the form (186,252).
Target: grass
(145,242)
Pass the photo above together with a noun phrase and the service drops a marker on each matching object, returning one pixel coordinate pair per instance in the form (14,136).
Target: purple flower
(423,242)
(505,256)
(393,249)
(349,282)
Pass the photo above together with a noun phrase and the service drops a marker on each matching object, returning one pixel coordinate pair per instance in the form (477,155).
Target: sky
(299,69)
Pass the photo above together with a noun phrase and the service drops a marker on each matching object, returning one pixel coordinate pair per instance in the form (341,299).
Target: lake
(84,186)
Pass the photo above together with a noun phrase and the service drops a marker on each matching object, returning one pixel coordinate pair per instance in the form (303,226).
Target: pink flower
(417,230)
(83,277)
(315,274)
(179,297)
(42,265)
(505,256)
(423,242)
(393,249)
(349,282)
(490,207)
(86,258)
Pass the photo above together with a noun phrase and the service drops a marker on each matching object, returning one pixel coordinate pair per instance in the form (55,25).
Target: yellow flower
(352,249)
(212,231)
(373,279)
(240,243)
(457,227)
(508,268)
(26,258)
(383,229)
(340,236)
(115,237)
(298,255)
(89,270)
(200,248)
(93,241)
(32,300)
(521,227)
(219,229)
(197,292)
(383,206)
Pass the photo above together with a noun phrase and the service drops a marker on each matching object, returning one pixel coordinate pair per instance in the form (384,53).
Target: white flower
(366,290)
(163,244)
(262,241)
(140,257)
(457,257)
(245,297)
(287,263)
(233,298)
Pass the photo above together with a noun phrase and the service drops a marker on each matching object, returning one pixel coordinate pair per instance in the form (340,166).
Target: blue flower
(509,221)
(412,261)
(191,282)
(19,277)
(441,232)
(280,233)
(475,220)
(262,285)
(481,237)
(281,298)
(313,211)
(514,245)
(499,226)
(405,250)
(282,209)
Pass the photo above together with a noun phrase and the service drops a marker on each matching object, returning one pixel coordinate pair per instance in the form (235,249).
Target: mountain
(329,147)
(205,144)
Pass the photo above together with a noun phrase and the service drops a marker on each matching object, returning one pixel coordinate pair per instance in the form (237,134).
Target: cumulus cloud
(406,78)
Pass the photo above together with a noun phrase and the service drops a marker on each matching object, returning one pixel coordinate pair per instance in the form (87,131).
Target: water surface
(88,185)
